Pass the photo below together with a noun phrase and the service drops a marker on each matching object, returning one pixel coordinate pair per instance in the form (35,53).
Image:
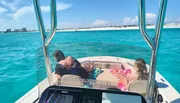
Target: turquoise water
(22,65)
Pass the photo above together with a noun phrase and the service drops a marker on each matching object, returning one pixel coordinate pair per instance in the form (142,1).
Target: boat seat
(138,86)
(71,80)
(107,77)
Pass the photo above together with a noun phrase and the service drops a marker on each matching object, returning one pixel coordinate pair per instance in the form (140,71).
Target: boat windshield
(98,57)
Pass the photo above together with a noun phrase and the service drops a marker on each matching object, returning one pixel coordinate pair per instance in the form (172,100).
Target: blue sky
(83,13)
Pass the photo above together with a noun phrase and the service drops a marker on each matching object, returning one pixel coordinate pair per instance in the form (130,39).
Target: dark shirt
(76,63)
(78,70)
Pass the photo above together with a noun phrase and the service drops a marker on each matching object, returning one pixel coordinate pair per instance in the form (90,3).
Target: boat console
(62,94)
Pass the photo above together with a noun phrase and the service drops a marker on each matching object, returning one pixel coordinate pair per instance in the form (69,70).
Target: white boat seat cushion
(138,86)
(71,80)
(107,76)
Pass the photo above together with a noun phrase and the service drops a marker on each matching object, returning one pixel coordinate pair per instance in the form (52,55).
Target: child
(140,67)
(126,75)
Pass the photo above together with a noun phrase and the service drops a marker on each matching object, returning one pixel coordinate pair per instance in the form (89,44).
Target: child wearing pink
(123,73)
(138,72)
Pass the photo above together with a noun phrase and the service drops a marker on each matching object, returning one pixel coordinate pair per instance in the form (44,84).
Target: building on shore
(16,30)
(8,30)
(23,30)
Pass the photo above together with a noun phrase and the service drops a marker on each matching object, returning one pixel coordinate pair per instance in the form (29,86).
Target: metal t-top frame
(152,42)
(46,39)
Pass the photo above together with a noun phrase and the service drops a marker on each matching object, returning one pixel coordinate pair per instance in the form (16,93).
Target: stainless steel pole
(152,43)
(53,22)
(142,24)
(42,32)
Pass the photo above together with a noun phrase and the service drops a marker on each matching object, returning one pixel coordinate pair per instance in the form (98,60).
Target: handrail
(53,22)
(39,19)
(142,24)
(160,21)
(46,40)
(152,42)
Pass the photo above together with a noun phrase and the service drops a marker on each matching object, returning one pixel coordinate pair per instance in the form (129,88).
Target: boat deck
(169,94)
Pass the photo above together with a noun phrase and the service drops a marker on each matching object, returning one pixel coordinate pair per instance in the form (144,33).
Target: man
(68,65)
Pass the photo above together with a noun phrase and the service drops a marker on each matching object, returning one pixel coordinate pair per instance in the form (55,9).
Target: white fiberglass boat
(102,90)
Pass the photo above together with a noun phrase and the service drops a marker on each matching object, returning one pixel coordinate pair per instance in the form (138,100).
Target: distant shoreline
(110,28)
(99,29)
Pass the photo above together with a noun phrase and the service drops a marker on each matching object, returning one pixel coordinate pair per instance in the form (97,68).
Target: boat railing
(46,39)
(152,42)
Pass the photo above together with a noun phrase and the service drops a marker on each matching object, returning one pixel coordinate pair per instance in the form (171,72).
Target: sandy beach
(115,28)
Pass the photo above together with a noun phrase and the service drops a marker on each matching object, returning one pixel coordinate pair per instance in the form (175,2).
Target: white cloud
(134,20)
(59,7)
(45,8)
(101,23)
(150,18)
(172,20)
(12,5)
(23,12)
(9,23)
(25,16)
(168,20)
(62,6)
(2,10)
(28,11)
(127,20)
(130,21)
